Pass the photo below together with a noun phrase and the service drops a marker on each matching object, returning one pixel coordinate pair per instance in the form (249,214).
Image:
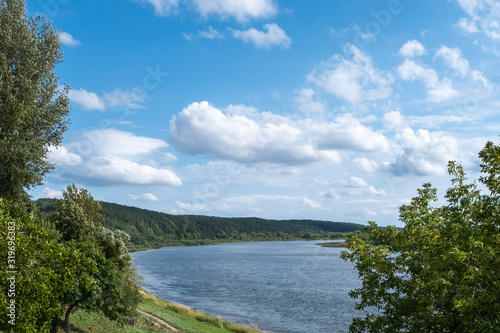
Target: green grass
(185,319)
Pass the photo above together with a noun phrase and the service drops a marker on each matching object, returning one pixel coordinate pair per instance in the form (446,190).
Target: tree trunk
(66,319)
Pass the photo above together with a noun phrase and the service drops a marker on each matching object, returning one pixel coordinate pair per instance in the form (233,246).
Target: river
(282,287)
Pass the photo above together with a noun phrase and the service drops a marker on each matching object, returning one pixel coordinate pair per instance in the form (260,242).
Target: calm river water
(282,287)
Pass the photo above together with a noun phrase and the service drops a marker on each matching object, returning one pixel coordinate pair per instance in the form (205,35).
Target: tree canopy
(108,285)
(33,107)
(441,272)
(36,272)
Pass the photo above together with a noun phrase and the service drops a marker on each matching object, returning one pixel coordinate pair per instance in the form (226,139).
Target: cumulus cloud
(117,98)
(412,48)
(272,35)
(347,133)
(88,100)
(143,197)
(50,193)
(242,10)
(110,141)
(112,157)
(366,165)
(201,129)
(355,80)
(115,170)
(393,120)
(423,152)
(307,103)
(67,39)
(361,184)
(437,90)
(61,156)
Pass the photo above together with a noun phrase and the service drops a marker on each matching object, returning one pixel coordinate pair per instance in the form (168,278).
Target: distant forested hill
(150,229)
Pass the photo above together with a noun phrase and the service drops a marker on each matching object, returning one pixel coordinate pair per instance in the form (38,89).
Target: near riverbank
(155,315)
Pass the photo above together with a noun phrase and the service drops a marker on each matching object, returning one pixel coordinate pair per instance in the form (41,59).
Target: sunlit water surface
(282,287)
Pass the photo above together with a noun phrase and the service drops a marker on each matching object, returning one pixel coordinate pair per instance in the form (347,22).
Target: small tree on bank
(441,272)
(33,108)
(113,290)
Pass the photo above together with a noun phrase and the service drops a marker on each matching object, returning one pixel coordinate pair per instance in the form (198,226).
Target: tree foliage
(441,272)
(42,272)
(108,285)
(77,215)
(33,108)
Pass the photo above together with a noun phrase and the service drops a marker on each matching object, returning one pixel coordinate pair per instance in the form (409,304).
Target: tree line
(150,229)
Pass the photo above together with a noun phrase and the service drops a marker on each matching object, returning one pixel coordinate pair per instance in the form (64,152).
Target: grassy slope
(182,317)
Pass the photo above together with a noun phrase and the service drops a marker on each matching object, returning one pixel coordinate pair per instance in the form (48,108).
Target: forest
(150,229)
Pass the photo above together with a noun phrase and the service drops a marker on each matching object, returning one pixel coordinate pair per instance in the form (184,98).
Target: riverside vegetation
(149,229)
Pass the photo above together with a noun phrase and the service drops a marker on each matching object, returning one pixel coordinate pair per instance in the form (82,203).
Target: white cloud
(128,98)
(308,104)
(112,157)
(355,80)
(50,193)
(242,10)
(163,7)
(201,129)
(412,48)
(437,90)
(467,26)
(67,39)
(424,152)
(61,156)
(482,16)
(272,35)
(88,100)
(143,197)
(112,142)
(244,204)
(346,133)
(453,58)
(393,120)
(115,170)
(116,98)
(366,165)
(361,184)
(211,33)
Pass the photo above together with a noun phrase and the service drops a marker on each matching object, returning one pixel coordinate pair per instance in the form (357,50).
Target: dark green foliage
(148,229)
(77,215)
(441,272)
(33,108)
(107,284)
(45,272)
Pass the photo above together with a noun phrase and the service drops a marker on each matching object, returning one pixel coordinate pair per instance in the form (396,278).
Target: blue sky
(335,110)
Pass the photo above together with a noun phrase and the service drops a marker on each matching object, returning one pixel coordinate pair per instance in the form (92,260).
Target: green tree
(441,272)
(36,272)
(113,290)
(33,108)
(77,215)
